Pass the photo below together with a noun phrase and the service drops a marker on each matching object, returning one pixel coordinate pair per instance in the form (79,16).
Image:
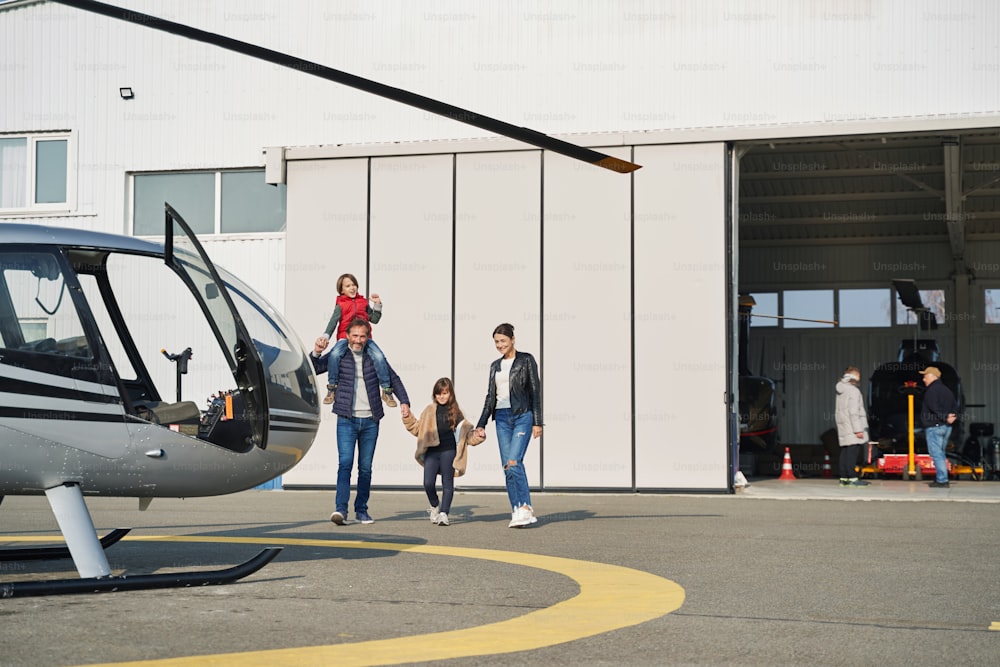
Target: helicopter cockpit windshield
(35,317)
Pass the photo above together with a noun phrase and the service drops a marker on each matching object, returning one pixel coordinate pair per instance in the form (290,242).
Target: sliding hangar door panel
(325,236)
(410,267)
(681,438)
(497,279)
(586,325)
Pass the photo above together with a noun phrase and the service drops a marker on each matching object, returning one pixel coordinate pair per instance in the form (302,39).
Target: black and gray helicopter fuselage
(85,320)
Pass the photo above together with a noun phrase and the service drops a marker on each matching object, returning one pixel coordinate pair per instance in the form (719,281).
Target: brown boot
(331,390)
(387,398)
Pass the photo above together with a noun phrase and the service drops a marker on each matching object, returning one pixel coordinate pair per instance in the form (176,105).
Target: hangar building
(807,156)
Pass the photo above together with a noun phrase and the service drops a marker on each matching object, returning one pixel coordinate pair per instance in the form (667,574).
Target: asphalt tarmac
(782,573)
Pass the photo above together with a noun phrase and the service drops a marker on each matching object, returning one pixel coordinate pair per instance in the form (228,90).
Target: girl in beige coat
(443,437)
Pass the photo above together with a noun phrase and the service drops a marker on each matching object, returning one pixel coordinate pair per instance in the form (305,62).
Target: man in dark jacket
(358,407)
(938,412)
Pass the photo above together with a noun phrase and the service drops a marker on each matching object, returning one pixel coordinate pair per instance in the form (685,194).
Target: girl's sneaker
(433,511)
(442,519)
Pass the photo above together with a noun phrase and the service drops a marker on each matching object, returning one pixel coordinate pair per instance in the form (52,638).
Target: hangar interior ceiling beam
(953,199)
(885,188)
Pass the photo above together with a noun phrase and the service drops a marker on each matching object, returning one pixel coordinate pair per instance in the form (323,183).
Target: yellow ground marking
(995,625)
(610,598)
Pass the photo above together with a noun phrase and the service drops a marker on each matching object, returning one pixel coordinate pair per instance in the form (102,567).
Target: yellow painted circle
(610,598)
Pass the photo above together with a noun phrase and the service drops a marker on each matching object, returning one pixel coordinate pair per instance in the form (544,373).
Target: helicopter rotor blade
(494,125)
(908,293)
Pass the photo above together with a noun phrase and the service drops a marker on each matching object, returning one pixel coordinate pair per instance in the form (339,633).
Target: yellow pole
(912,470)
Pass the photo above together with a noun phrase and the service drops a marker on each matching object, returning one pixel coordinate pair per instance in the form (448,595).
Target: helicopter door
(185,255)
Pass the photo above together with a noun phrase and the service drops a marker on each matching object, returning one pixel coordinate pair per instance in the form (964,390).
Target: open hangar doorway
(825,225)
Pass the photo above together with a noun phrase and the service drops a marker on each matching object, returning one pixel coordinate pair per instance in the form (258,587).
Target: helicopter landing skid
(52,553)
(141,581)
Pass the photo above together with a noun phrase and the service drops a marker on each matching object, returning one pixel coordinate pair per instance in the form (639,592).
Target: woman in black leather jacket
(514,400)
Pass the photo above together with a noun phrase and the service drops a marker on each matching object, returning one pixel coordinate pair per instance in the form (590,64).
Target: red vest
(350,309)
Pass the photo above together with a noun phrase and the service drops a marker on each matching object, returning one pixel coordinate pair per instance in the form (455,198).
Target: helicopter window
(160,318)
(36,315)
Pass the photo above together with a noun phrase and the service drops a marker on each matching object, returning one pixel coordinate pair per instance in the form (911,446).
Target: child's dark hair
(341,279)
(504,330)
(454,413)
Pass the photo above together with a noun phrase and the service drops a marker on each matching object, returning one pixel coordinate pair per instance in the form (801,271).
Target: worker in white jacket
(852,425)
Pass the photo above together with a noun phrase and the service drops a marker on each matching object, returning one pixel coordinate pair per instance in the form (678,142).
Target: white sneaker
(530,511)
(519,518)
(442,519)
(433,511)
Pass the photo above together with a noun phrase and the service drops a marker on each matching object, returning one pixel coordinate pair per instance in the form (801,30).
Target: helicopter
(83,414)
(891,383)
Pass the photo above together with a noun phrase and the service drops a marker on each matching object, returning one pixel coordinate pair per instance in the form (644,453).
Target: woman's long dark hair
(454,412)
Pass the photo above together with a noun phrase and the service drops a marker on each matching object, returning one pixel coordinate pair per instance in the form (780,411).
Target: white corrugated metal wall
(571,255)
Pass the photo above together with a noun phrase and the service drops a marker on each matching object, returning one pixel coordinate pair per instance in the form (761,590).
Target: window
(865,308)
(933,300)
(765,310)
(992,306)
(34,172)
(808,309)
(211,202)
(856,308)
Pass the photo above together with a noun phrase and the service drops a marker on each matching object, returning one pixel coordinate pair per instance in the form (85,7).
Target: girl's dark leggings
(443,463)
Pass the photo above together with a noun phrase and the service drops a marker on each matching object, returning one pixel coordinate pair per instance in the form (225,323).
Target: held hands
(404,410)
(536,432)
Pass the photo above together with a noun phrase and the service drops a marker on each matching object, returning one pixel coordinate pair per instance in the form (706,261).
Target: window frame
(31,206)
(894,306)
(216,232)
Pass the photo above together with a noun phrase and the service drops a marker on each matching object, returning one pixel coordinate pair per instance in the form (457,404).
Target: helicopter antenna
(500,127)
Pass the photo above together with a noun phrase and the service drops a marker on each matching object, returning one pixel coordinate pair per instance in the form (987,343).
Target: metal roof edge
(687,135)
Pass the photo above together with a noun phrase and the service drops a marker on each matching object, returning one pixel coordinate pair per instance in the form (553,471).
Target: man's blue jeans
(514,434)
(363,432)
(937,440)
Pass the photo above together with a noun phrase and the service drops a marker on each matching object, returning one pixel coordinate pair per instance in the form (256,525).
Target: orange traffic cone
(827,470)
(786,466)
